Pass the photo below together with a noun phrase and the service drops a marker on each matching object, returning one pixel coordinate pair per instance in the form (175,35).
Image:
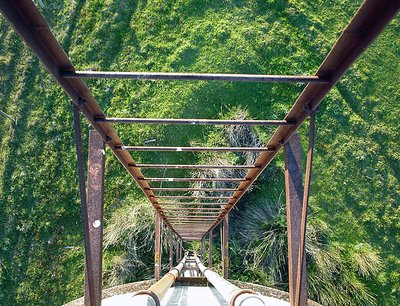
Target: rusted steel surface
(195,189)
(370,19)
(194,76)
(196,149)
(301,290)
(191,209)
(193,203)
(203,248)
(225,246)
(166,166)
(157,248)
(191,213)
(89,268)
(95,205)
(194,121)
(294,207)
(192,179)
(171,250)
(177,250)
(210,249)
(191,197)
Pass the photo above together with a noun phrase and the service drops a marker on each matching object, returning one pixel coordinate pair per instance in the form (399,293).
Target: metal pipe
(234,295)
(196,149)
(156,292)
(194,76)
(194,121)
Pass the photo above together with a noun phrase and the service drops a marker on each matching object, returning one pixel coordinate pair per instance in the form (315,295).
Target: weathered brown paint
(171,250)
(194,76)
(294,200)
(95,205)
(177,250)
(89,274)
(302,247)
(225,246)
(203,248)
(210,249)
(157,248)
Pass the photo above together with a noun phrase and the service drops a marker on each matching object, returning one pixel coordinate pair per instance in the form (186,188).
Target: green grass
(355,187)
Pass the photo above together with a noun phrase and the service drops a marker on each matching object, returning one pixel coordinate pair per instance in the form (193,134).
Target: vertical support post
(180,249)
(95,205)
(157,248)
(301,268)
(294,200)
(177,251)
(210,242)
(203,249)
(171,250)
(225,248)
(89,274)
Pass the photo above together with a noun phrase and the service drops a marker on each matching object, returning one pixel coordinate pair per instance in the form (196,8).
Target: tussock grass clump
(336,274)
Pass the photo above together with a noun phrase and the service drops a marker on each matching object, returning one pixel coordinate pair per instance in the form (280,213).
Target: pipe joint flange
(151,293)
(237,294)
(179,273)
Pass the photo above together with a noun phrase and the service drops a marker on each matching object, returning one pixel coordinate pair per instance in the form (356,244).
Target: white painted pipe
(156,292)
(228,290)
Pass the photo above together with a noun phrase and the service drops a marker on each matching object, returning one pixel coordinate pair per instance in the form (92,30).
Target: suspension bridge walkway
(194,211)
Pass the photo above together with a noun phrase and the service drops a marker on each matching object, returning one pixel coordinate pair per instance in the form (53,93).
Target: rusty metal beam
(203,248)
(191,197)
(192,203)
(191,179)
(194,121)
(95,206)
(191,209)
(30,25)
(177,250)
(191,213)
(301,289)
(157,248)
(210,249)
(370,19)
(225,246)
(90,290)
(194,76)
(191,218)
(294,200)
(195,149)
(171,189)
(171,250)
(166,166)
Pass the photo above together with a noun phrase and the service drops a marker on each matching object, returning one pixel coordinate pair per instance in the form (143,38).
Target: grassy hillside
(355,187)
